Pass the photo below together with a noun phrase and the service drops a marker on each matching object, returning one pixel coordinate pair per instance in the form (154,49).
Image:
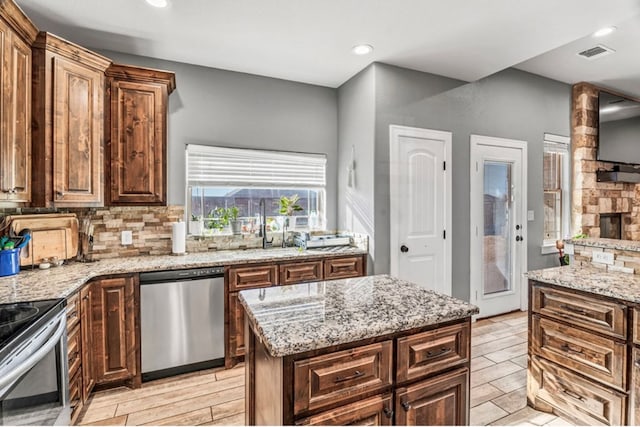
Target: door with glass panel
(498,228)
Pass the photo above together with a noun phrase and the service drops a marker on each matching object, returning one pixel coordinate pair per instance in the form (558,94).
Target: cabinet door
(236,326)
(86,332)
(15,140)
(441,400)
(114,319)
(375,411)
(77,134)
(255,276)
(138,141)
(634,410)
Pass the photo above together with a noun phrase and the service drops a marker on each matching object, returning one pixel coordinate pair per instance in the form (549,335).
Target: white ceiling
(310,40)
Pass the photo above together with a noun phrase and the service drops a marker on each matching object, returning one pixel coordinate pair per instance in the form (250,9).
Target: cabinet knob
(406,406)
(59,193)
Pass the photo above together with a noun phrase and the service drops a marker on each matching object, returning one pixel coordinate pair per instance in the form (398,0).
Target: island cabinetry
(634,410)
(579,350)
(265,275)
(116,329)
(438,401)
(17,33)
(356,382)
(374,411)
(68,117)
(136,135)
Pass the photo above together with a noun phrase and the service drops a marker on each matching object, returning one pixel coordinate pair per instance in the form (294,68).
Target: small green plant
(289,205)
(580,236)
(227,215)
(195,217)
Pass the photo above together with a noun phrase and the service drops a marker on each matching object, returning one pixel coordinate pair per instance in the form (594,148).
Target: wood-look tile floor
(216,397)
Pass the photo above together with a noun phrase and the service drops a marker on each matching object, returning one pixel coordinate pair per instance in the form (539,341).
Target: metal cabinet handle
(637,363)
(406,406)
(573,395)
(442,351)
(59,193)
(387,412)
(356,374)
(574,309)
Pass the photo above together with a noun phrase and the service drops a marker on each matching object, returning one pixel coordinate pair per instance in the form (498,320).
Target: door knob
(519,238)
(404,249)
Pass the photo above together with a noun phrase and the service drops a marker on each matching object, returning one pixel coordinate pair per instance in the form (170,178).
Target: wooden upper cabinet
(17,33)
(137,135)
(68,136)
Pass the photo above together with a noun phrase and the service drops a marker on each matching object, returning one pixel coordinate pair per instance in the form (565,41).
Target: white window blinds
(217,166)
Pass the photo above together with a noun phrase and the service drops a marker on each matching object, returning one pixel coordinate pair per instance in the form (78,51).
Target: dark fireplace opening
(611,226)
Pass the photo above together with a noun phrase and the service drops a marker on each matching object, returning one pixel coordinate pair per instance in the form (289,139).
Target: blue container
(9,262)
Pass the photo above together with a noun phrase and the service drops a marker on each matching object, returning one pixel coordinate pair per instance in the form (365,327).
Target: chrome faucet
(266,243)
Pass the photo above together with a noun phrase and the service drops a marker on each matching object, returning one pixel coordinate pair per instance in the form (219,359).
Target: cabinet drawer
(300,272)
(73,350)
(636,326)
(330,378)
(634,410)
(428,352)
(375,411)
(591,313)
(600,358)
(252,277)
(75,401)
(339,268)
(73,310)
(585,401)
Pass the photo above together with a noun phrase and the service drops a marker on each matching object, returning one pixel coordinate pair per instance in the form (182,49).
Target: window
(220,177)
(556,191)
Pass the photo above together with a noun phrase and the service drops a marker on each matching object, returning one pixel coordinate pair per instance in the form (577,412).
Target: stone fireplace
(593,200)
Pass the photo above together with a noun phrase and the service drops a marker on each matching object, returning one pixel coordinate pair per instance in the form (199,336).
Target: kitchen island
(584,343)
(375,350)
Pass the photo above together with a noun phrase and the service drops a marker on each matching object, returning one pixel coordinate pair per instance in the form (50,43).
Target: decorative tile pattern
(297,318)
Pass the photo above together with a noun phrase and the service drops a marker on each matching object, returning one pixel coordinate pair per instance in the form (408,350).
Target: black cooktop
(16,318)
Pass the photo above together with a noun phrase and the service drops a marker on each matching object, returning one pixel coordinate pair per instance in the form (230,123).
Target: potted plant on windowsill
(195,225)
(229,217)
(289,205)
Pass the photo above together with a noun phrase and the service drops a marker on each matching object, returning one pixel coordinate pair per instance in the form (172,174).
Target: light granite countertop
(297,318)
(623,286)
(623,245)
(60,282)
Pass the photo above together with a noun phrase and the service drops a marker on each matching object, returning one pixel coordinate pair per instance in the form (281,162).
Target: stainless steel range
(34,386)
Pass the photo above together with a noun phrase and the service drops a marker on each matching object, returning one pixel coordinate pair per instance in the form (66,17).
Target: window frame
(252,154)
(558,144)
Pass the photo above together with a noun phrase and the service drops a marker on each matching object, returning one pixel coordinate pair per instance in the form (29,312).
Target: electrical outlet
(127,237)
(603,257)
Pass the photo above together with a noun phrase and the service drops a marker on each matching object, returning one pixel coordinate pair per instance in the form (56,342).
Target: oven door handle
(16,372)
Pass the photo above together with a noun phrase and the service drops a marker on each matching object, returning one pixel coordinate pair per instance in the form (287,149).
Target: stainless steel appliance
(34,384)
(182,321)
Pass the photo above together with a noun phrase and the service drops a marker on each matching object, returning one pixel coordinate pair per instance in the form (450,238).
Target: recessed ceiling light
(362,49)
(604,31)
(158,3)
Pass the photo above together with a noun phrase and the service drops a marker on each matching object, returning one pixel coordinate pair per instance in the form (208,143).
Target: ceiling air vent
(596,52)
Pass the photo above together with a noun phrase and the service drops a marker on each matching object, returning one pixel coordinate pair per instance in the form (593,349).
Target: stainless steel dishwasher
(182,321)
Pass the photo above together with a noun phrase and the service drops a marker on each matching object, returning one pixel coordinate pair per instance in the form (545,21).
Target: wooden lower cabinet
(114,324)
(86,331)
(374,411)
(356,384)
(634,401)
(437,401)
(299,272)
(236,326)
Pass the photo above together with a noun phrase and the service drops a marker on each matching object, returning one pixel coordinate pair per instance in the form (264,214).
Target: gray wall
(356,131)
(217,107)
(510,104)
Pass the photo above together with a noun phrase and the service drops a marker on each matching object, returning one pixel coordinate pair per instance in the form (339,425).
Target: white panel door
(498,227)
(420,211)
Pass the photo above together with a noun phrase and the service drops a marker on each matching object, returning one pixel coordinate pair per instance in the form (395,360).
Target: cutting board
(53,235)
